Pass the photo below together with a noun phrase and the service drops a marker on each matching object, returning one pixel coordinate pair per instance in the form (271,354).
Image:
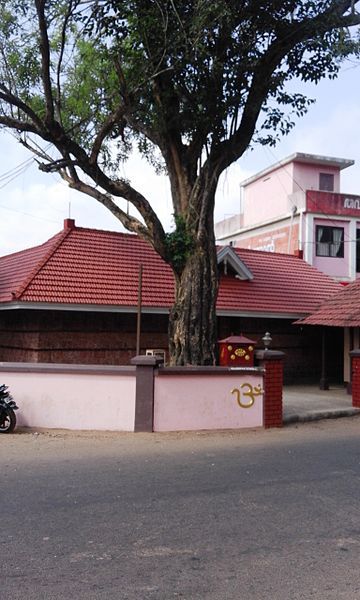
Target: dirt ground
(25,443)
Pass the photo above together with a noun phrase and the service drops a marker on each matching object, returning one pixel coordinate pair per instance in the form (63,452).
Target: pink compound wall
(203,402)
(73,400)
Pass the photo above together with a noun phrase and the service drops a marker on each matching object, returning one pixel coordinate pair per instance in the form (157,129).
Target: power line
(13,174)
(11,171)
(20,212)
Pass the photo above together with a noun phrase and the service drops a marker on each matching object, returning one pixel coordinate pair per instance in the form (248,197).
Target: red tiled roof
(93,267)
(17,269)
(340,310)
(282,284)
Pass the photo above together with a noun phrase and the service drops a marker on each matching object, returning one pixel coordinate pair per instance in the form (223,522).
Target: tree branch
(341,7)
(67,147)
(22,126)
(39,152)
(45,61)
(12,100)
(155,238)
(149,133)
(230,150)
(119,187)
(61,55)
(114,118)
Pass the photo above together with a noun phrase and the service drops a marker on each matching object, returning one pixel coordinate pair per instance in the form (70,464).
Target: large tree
(191,83)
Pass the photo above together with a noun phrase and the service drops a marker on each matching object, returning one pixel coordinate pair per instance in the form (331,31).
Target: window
(329,241)
(358,250)
(326,182)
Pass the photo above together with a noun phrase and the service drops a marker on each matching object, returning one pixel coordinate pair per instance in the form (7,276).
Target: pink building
(296,206)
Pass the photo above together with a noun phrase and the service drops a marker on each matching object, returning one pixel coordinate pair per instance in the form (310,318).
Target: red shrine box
(237,351)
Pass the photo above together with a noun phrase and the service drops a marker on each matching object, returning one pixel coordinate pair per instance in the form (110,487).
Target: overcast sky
(33,205)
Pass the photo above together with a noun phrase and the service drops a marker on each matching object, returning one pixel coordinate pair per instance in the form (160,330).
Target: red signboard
(332,204)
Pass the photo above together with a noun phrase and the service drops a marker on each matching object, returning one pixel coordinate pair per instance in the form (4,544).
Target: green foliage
(185,66)
(89,90)
(19,62)
(184,72)
(207,54)
(179,244)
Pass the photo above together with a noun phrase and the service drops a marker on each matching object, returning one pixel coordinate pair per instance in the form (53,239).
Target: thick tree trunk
(192,322)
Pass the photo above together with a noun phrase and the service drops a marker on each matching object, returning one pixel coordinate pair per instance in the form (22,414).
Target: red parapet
(330,203)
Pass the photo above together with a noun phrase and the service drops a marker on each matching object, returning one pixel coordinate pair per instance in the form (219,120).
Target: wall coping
(355,353)
(142,360)
(67,368)
(209,370)
(269,355)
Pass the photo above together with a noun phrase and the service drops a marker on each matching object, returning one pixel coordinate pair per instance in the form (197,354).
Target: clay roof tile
(94,267)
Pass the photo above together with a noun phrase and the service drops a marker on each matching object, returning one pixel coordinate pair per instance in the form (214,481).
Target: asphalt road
(224,516)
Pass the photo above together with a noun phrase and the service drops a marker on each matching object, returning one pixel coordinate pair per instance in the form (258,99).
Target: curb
(321,414)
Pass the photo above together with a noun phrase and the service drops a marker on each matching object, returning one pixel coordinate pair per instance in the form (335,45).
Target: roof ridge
(62,236)
(282,255)
(287,254)
(108,231)
(27,250)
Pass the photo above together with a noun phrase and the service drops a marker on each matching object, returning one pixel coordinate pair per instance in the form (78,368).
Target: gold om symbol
(252,392)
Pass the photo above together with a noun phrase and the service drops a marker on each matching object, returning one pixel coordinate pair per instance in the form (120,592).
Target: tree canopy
(190,83)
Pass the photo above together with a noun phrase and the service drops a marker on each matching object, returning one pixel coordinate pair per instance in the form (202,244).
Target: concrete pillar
(144,397)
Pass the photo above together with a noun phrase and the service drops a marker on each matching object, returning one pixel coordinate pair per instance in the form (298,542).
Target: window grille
(326,182)
(329,241)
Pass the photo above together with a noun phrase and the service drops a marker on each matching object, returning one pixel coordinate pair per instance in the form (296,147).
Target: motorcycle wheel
(7,421)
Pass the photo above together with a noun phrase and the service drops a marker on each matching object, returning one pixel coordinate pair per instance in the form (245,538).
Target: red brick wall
(109,338)
(75,337)
(273,362)
(355,384)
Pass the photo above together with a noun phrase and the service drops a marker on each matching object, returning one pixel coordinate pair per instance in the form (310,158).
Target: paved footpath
(309,403)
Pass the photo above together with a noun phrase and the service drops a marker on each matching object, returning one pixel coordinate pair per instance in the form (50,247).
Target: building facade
(296,207)
(75,298)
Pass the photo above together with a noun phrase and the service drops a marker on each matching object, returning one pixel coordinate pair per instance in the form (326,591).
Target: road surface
(259,515)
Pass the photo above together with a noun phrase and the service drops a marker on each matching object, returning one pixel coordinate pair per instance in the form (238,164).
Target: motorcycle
(7,408)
